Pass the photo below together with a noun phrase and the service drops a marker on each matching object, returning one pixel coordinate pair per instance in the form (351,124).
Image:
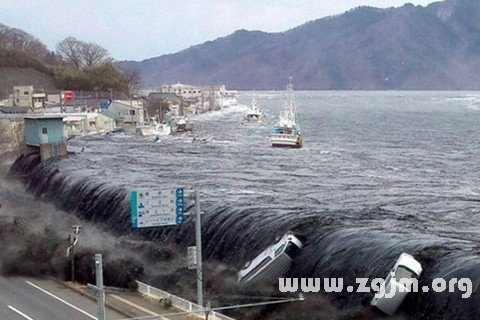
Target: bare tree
(11,38)
(70,50)
(93,54)
(81,54)
(133,78)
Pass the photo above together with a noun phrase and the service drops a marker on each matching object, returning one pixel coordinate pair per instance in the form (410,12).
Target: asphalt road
(33,299)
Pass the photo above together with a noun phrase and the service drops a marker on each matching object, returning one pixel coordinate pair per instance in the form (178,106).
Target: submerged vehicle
(273,262)
(286,132)
(396,287)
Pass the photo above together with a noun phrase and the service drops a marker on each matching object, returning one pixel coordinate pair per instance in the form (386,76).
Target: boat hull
(287,142)
(282,145)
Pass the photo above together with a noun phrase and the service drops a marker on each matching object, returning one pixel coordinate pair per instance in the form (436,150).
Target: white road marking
(20,313)
(61,300)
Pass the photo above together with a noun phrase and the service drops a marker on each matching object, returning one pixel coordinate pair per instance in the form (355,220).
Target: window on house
(44,130)
(25,93)
(132,112)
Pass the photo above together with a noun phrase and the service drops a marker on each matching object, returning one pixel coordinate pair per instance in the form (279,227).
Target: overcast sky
(142,29)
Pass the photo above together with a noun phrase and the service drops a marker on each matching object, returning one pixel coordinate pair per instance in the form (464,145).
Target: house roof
(112,115)
(163,96)
(34,116)
(14,110)
(124,104)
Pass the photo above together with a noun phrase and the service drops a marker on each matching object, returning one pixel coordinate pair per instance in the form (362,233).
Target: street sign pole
(198,243)
(155,208)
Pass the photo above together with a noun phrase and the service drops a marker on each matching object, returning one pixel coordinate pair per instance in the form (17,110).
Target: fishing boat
(183,126)
(254,113)
(286,133)
(154,129)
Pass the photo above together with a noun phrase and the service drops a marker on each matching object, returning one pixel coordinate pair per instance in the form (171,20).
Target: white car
(394,290)
(273,262)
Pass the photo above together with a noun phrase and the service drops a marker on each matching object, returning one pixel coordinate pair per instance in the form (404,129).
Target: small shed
(45,134)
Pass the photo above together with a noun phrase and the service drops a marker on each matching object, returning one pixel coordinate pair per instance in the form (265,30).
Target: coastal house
(11,134)
(79,123)
(45,135)
(107,121)
(131,111)
(175,103)
(22,96)
(183,90)
(206,98)
(186,91)
(34,99)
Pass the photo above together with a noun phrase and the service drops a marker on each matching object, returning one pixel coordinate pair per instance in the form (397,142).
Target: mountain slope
(411,47)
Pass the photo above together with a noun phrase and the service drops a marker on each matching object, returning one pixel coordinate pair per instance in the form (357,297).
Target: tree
(81,54)
(157,108)
(11,38)
(106,76)
(93,54)
(70,48)
(133,78)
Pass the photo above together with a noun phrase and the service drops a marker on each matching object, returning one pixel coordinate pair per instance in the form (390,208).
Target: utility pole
(198,243)
(73,239)
(99,290)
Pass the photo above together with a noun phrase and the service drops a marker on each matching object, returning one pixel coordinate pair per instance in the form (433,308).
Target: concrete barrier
(179,303)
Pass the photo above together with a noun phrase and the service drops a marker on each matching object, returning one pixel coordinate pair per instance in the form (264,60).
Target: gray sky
(142,29)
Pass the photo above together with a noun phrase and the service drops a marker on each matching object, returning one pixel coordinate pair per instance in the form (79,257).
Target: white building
(186,91)
(23,96)
(132,111)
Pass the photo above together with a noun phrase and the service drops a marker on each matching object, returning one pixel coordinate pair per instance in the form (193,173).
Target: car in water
(273,262)
(396,287)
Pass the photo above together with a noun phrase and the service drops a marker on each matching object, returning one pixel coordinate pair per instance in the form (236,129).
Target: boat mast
(290,108)
(289,102)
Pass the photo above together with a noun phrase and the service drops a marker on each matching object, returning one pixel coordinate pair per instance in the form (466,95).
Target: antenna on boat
(291,100)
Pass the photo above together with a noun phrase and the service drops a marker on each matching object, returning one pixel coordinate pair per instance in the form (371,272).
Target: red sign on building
(68,96)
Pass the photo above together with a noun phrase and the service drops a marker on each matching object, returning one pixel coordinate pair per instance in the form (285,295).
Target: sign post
(165,208)
(198,243)
(157,208)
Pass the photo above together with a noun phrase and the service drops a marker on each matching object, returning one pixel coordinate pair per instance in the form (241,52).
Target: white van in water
(392,294)
(273,262)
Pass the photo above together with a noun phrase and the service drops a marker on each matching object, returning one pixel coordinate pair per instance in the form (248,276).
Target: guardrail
(179,303)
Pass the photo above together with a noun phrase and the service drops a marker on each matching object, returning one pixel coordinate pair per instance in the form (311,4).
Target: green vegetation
(76,65)
(16,58)
(101,77)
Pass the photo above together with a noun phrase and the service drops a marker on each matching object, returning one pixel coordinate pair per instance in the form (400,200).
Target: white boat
(273,262)
(286,132)
(182,125)
(254,113)
(229,99)
(161,129)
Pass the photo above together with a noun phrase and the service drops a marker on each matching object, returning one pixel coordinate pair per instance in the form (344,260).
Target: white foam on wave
(213,115)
